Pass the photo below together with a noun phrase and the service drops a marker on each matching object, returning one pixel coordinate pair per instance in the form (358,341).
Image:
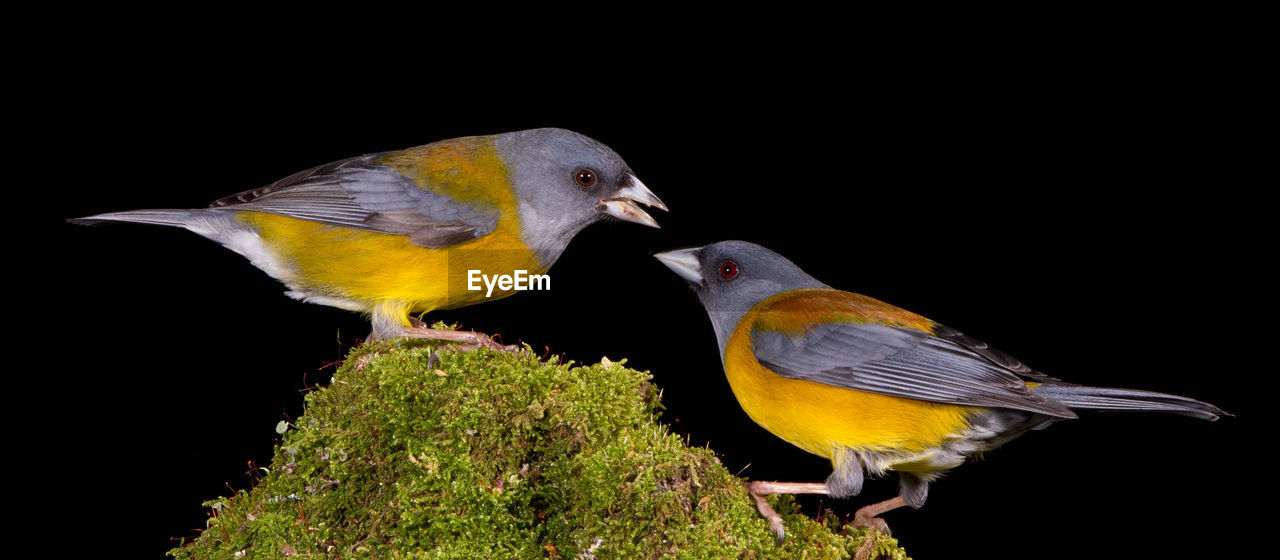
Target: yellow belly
(386,272)
(816,417)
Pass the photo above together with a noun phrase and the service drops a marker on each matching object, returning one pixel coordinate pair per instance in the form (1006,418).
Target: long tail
(1104,398)
(177,218)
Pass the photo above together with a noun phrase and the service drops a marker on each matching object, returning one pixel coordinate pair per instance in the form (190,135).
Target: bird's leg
(869,515)
(866,516)
(472,339)
(759,489)
(388,328)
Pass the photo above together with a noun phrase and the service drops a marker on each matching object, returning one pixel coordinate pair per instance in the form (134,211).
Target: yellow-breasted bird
(869,386)
(397,233)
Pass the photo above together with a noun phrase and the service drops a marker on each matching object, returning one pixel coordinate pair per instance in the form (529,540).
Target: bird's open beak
(684,262)
(622,204)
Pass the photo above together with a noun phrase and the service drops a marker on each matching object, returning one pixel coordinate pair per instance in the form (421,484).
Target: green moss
(483,454)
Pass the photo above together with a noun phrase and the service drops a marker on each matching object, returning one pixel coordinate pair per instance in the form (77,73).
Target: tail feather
(1105,398)
(177,218)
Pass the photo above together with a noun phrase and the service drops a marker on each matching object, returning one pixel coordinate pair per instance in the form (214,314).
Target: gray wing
(995,356)
(898,362)
(358,193)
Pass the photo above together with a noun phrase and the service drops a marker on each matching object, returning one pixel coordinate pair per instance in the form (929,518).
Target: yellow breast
(388,274)
(816,417)
(370,267)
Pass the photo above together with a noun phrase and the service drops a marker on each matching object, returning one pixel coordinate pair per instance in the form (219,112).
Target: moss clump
(483,454)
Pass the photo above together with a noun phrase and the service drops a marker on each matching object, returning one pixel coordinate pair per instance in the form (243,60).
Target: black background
(1089,211)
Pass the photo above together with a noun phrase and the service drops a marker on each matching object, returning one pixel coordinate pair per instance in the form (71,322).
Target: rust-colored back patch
(790,312)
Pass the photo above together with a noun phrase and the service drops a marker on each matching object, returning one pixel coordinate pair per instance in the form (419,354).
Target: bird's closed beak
(622,204)
(684,262)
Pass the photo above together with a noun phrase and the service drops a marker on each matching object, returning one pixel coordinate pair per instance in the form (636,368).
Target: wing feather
(359,193)
(900,362)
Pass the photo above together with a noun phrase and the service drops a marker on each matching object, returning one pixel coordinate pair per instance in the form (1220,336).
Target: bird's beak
(684,262)
(622,204)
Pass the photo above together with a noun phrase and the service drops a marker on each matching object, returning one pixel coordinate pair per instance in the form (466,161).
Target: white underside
(932,462)
(221,228)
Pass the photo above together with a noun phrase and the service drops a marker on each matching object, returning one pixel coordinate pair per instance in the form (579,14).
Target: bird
(397,234)
(869,386)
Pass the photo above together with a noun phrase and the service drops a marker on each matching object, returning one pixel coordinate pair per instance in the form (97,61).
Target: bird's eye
(728,269)
(585,177)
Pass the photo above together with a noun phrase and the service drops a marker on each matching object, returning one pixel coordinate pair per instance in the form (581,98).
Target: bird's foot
(471,339)
(869,516)
(775,520)
(759,489)
(874,523)
(866,516)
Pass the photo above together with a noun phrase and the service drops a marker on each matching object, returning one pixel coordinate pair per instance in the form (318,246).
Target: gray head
(732,276)
(565,181)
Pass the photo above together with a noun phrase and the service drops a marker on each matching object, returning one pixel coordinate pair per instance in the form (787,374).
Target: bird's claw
(868,516)
(775,520)
(873,523)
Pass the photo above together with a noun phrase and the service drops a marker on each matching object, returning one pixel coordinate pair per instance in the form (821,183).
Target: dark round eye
(728,269)
(586,177)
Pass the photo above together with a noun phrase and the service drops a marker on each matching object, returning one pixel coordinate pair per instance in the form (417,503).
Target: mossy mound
(483,454)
